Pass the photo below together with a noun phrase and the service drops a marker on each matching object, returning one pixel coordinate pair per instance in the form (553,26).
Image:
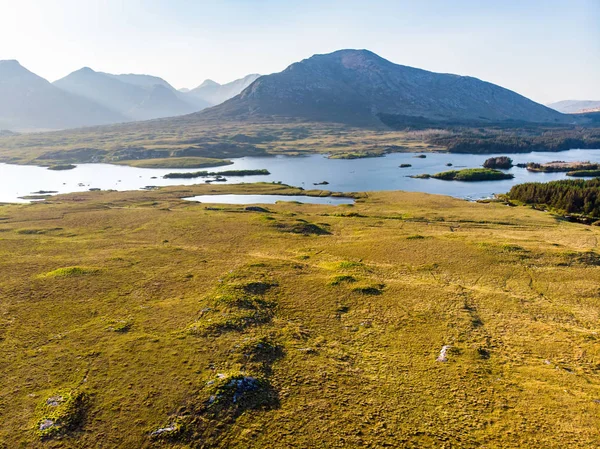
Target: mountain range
(29,102)
(576,106)
(86,97)
(359,87)
(355,87)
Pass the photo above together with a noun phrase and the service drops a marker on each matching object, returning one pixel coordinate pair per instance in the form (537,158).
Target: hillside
(133,96)
(576,106)
(145,321)
(357,86)
(215,93)
(28,101)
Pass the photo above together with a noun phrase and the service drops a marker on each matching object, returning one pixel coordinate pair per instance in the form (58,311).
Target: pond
(268,199)
(380,173)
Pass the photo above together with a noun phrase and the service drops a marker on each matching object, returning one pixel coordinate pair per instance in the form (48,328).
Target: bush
(61,413)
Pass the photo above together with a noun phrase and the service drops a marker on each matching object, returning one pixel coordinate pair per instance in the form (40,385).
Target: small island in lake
(205,174)
(561,166)
(62,167)
(468,174)
(503,162)
(584,173)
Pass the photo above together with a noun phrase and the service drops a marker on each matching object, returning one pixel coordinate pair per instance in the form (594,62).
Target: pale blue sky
(547,50)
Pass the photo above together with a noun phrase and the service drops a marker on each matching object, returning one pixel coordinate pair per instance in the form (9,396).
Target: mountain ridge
(28,101)
(354,86)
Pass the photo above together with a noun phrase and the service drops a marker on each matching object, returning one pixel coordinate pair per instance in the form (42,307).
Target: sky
(547,50)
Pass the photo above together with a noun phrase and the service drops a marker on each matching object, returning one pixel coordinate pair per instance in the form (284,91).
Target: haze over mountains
(358,86)
(86,97)
(355,87)
(136,97)
(576,106)
(216,93)
(28,101)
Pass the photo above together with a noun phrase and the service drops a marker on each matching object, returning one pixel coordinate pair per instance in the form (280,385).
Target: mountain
(145,81)
(359,87)
(576,106)
(216,93)
(137,97)
(29,102)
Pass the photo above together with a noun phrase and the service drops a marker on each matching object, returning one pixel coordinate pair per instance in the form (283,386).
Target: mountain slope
(28,102)
(354,86)
(216,93)
(134,96)
(575,106)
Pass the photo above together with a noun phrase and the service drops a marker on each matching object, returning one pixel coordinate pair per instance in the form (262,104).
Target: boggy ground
(123,313)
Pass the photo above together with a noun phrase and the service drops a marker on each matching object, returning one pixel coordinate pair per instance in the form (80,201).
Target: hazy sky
(546,49)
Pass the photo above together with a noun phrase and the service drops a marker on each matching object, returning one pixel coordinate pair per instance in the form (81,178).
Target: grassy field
(136,319)
(156,142)
(177,162)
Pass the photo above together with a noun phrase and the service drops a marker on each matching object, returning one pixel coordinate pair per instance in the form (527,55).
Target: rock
(162,430)
(47,424)
(443,354)
(55,401)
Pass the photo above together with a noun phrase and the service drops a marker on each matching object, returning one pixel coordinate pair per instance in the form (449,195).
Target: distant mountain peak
(208,83)
(10,62)
(216,93)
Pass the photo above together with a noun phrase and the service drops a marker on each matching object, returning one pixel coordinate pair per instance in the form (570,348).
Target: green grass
(71,272)
(512,290)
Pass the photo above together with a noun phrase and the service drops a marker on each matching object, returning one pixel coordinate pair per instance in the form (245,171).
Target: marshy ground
(137,319)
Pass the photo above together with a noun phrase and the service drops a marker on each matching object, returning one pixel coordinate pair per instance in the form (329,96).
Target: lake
(381,173)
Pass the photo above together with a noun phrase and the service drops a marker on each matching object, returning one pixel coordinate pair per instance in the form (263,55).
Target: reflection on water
(381,173)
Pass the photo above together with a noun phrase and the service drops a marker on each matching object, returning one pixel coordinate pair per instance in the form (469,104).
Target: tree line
(568,196)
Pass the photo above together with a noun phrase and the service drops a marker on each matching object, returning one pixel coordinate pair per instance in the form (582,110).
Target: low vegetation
(339,335)
(61,413)
(516,138)
(177,162)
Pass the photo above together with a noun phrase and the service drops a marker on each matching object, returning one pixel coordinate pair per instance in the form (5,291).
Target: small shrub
(61,413)
(415,237)
(71,272)
(121,326)
(236,392)
(348,265)
(376,289)
(342,278)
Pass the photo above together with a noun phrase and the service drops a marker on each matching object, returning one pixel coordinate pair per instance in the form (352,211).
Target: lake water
(268,199)
(381,173)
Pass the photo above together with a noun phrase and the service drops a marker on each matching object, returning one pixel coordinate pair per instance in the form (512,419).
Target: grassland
(146,144)
(136,319)
(177,162)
